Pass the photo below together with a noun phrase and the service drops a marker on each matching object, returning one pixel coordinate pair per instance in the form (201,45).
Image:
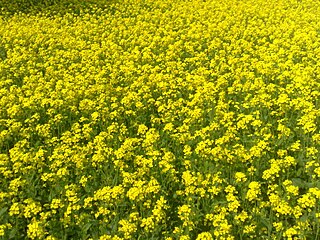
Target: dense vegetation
(152,119)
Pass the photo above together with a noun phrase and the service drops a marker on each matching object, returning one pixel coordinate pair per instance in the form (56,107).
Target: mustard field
(153,119)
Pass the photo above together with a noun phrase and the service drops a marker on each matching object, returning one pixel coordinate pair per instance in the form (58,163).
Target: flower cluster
(152,119)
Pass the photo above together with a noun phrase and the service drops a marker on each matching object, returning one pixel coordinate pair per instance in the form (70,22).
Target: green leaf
(87,226)
(299,182)
(3,53)
(3,210)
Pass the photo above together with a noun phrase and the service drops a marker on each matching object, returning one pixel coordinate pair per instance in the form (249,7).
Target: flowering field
(153,119)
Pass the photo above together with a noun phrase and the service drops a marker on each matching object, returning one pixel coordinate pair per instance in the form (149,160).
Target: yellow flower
(295,146)
(294,190)
(14,209)
(289,233)
(35,230)
(147,223)
(307,200)
(142,129)
(3,228)
(184,237)
(278,226)
(249,228)
(204,236)
(32,208)
(50,238)
(254,191)
(240,177)
(243,216)
(127,228)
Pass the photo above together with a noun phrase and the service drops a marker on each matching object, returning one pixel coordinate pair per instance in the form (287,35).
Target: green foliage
(49,7)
